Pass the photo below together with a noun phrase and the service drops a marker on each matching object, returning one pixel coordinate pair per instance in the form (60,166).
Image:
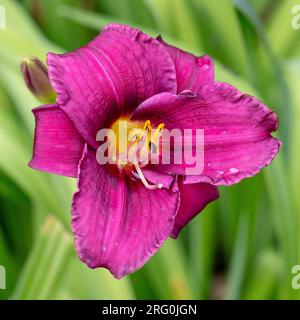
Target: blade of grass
(284,219)
(267,67)
(292,71)
(22,35)
(238,262)
(168,272)
(185,28)
(202,239)
(46,264)
(86,283)
(224,43)
(264,276)
(283,37)
(248,206)
(59,30)
(9,263)
(134,11)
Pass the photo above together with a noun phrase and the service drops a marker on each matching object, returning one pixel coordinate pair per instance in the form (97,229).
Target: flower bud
(36,77)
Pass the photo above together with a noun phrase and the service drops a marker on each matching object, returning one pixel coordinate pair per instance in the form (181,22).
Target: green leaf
(185,28)
(56,28)
(284,38)
(238,263)
(134,11)
(46,264)
(85,283)
(202,244)
(221,33)
(169,266)
(264,276)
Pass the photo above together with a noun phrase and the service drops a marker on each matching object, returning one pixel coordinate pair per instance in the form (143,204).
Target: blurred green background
(241,247)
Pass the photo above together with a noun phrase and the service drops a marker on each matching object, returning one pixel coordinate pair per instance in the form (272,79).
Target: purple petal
(191,72)
(155,177)
(58,146)
(118,223)
(237,130)
(110,76)
(193,199)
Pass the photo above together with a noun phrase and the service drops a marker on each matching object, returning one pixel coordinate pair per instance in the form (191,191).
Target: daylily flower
(121,215)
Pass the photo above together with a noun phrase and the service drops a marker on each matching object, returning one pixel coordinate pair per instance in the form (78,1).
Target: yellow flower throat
(135,143)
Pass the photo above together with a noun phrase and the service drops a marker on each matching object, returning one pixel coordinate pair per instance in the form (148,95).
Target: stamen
(142,142)
(158,131)
(132,148)
(145,182)
(147,126)
(156,136)
(152,147)
(144,148)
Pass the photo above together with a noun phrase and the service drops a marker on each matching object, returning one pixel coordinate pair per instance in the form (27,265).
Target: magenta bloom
(121,215)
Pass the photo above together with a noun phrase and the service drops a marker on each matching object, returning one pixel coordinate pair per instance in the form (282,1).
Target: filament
(143,179)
